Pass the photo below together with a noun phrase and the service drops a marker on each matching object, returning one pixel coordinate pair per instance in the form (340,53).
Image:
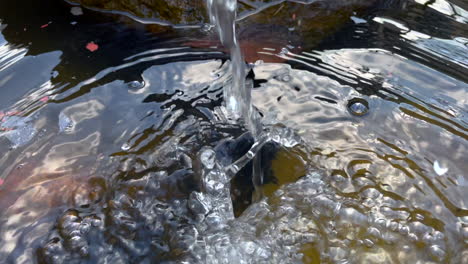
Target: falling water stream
(237,96)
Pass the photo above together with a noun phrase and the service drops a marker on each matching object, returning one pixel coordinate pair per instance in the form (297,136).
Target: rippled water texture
(116,146)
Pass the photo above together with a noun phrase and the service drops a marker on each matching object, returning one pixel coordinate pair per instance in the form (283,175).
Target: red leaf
(44,99)
(92,46)
(45,25)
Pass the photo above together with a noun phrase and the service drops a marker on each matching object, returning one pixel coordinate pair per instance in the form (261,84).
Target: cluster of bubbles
(186,215)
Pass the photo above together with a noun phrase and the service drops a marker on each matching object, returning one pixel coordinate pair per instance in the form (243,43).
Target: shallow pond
(116,147)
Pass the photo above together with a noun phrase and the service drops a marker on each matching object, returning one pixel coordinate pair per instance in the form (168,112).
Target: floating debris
(91,46)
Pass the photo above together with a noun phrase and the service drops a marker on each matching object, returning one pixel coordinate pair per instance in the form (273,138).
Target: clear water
(129,154)
(223,14)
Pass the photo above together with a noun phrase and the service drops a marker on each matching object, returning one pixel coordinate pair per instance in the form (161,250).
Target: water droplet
(125,147)
(358,106)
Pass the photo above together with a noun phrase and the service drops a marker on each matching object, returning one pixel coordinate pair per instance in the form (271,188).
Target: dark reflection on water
(100,148)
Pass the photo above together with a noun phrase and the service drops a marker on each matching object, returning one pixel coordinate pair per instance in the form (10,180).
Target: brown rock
(177,12)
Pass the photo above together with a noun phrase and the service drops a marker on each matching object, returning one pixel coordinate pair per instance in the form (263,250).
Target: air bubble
(286,78)
(96,222)
(404,230)
(413,237)
(374,232)
(439,235)
(249,247)
(464,232)
(437,253)
(52,247)
(337,254)
(84,251)
(207,157)
(136,85)
(380,222)
(125,147)
(85,227)
(428,239)
(358,107)
(198,204)
(76,241)
(368,243)
(393,226)
(74,232)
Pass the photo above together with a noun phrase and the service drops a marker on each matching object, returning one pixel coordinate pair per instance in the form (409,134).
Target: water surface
(107,155)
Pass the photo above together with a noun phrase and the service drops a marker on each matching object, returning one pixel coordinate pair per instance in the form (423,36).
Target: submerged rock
(172,11)
(184,12)
(265,27)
